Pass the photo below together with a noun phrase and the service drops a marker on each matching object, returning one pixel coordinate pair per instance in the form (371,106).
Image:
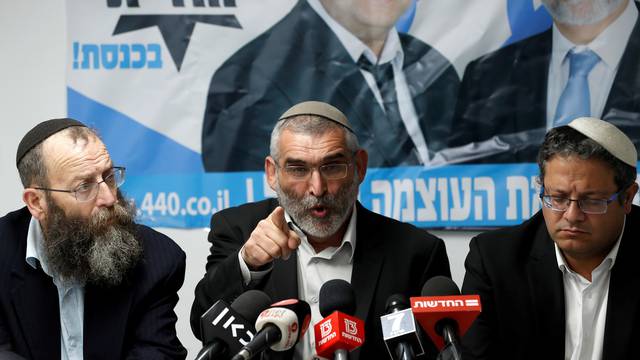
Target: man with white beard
(79,279)
(586,65)
(317,231)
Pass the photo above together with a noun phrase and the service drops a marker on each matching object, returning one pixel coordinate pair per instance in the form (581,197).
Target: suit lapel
(624,91)
(547,294)
(533,69)
(105,312)
(367,263)
(624,298)
(35,301)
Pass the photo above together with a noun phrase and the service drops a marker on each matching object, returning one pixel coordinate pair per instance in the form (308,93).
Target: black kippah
(42,131)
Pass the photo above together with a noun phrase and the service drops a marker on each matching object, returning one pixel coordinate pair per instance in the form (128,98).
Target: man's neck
(584,34)
(584,267)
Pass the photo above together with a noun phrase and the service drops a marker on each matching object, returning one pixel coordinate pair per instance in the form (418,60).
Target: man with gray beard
(585,65)
(316,231)
(79,278)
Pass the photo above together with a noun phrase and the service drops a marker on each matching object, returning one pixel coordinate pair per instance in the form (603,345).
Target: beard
(99,250)
(338,208)
(580,12)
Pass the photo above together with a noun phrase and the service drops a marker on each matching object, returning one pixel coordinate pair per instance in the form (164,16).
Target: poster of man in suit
(398,92)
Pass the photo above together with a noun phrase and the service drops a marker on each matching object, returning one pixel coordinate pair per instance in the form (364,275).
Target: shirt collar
(609,45)
(392,50)
(35,240)
(348,240)
(610,258)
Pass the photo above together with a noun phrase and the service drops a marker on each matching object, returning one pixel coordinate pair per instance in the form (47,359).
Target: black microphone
(226,329)
(446,327)
(399,329)
(279,328)
(339,332)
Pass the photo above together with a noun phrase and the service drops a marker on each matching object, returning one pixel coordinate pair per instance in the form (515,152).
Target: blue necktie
(575,99)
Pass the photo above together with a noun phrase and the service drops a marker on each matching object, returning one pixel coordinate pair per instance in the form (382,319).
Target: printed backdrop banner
(185,94)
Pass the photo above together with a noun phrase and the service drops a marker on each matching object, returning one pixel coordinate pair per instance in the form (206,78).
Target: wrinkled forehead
(328,141)
(71,154)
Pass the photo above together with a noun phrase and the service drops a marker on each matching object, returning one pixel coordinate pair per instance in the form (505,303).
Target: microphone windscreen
(395,303)
(250,304)
(337,295)
(440,286)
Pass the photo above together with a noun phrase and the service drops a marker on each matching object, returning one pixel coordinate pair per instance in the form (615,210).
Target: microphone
(445,314)
(339,332)
(399,330)
(279,328)
(225,329)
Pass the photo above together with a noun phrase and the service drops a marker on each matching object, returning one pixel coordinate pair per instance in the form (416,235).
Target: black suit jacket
(301,59)
(134,320)
(515,272)
(504,93)
(390,257)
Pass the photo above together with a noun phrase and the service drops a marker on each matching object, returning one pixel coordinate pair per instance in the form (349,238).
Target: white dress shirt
(391,52)
(70,297)
(609,45)
(586,306)
(314,269)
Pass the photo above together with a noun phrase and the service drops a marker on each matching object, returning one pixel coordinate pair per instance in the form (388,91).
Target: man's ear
(628,197)
(361,164)
(36,202)
(270,171)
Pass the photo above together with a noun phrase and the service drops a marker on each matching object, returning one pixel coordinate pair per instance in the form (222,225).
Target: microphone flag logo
(325,329)
(350,327)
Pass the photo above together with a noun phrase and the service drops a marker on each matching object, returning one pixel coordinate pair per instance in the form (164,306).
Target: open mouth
(319,211)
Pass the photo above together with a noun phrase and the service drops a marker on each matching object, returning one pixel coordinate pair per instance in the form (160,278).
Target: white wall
(32,89)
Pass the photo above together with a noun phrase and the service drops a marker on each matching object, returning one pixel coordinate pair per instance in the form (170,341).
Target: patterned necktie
(575,100)
(383,74)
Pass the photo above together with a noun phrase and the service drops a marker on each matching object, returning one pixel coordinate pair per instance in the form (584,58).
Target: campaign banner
(185,93)
(448,197)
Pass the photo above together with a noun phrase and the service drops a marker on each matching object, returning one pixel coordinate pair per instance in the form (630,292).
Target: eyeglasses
(114,178)
(331,171)
(588,206)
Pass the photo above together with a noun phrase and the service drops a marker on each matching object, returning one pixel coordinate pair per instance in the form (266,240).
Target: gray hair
(309,125)
(33,169)
(565,141)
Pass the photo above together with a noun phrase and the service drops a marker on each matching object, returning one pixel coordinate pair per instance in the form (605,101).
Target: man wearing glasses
(562,284)
(316,231)
(78,278)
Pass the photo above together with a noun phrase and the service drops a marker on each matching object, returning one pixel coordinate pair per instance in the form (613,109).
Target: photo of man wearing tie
(585,65)
(397,91)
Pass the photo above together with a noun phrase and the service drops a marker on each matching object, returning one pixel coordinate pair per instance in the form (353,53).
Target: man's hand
(271,239)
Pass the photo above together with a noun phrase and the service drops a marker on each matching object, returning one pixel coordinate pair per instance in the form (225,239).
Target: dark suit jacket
(504,93)
(390,257)
(134,320)
(301,59)
(515,272)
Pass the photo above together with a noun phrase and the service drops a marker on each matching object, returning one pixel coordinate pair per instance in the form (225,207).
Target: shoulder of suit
(295,23)
(386,226)
(507,55)
(156,243)
(516,235)
(258,209)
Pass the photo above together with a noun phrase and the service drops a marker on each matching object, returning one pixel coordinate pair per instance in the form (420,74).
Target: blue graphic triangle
(141,150)
(525,21)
